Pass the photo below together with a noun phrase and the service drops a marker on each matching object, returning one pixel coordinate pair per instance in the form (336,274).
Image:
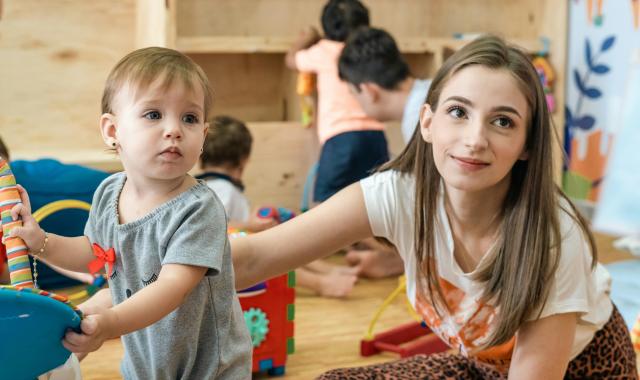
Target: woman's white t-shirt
(390,200)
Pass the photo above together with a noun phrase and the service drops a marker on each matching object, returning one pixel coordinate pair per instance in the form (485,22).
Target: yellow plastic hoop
(60,205)
(402,285)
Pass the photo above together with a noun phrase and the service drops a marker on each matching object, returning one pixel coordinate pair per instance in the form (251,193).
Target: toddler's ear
(108,129)
(206,128)
(426,115)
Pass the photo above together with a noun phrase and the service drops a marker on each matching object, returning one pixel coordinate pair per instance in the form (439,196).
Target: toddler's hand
(95,330)
(30,231)
(310,35)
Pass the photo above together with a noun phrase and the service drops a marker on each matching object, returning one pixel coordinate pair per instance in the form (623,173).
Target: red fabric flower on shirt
(102,257)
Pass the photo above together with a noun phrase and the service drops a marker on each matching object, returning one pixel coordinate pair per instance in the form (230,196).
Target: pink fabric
(338,110)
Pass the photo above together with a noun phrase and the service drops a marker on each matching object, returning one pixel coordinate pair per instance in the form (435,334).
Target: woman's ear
(108,129)
(426,115)
(524,156)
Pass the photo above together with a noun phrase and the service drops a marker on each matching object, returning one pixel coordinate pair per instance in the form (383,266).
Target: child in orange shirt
(353,144)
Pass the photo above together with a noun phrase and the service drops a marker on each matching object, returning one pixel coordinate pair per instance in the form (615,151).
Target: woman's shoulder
(573,233)
(391,178)
(568,217)
(389,189)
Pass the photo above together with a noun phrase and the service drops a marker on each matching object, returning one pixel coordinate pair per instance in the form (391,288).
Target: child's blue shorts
(347,158)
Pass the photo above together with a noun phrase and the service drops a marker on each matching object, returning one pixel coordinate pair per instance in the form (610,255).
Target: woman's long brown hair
(518,276)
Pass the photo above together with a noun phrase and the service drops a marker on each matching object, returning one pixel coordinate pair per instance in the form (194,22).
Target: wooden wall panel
(403,18)
(55,57)
(281,157)
(247,86)
(515,19)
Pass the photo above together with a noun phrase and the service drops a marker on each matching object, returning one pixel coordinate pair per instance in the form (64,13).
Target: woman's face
(479,129)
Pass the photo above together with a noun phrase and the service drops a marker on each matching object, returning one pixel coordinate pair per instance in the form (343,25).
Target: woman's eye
(456,112)
(503,122)
(190,119)
(153,115)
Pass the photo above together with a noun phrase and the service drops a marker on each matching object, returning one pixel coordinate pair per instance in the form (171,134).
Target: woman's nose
(475,137)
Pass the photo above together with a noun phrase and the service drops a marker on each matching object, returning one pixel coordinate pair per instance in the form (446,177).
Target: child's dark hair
(4,152)
(228,143)
(341,17)
(371,55)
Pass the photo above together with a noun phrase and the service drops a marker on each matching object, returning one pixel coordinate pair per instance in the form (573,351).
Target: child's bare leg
(323,267)
(378,261)
(79,276)
(332,284)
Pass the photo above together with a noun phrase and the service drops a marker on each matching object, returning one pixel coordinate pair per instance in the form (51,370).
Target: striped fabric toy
(17,251)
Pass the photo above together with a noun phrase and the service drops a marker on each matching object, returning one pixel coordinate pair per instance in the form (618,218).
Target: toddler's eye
(503,122)
(153,115)
(190,119)
(456,112)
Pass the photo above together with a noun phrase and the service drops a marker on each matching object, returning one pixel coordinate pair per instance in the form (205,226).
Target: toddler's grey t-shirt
(206,336)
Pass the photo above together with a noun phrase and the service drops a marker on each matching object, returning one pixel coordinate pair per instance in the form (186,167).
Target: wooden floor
(327,331)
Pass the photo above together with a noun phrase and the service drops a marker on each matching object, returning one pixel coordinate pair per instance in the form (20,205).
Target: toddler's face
(160,130)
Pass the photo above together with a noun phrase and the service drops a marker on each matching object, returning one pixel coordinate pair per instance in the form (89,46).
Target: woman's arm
(334,224)
(543,348)
(144,308)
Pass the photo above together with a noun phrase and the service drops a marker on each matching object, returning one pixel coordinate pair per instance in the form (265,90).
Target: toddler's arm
(100,300)
(72,253)
(144,308)
(336,223)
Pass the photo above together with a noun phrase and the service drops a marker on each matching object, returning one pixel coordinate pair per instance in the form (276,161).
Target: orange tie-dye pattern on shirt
(465,324)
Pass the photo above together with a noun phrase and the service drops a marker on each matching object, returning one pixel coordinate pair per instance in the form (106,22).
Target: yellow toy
(305,88)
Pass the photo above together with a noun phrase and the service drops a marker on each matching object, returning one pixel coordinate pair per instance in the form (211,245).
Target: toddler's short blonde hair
(141,67)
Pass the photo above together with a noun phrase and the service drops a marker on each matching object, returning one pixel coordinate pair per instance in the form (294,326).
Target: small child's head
(155,105)
(373,65)
(227,145)
(341,17)
(371,55)
(4,152)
